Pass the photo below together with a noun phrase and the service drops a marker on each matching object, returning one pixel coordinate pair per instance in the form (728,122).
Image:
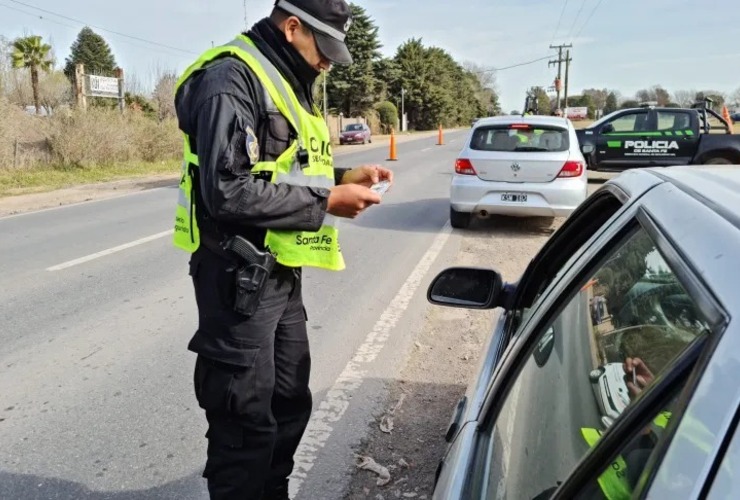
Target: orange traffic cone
(393,156)
(726,116)
(440,138)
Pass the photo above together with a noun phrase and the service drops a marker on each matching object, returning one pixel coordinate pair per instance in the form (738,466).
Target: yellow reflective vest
(307,162)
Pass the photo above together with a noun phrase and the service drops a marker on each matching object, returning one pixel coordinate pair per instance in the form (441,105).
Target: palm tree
(30,52)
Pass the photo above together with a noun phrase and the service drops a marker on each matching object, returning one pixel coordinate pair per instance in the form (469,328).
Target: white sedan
(520,166)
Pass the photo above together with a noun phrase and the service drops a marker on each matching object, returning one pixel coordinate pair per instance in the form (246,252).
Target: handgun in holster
(252,274)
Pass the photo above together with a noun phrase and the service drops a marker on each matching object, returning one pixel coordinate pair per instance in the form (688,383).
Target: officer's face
(303,40)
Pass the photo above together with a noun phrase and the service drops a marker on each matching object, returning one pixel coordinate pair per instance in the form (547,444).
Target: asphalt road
(97,309)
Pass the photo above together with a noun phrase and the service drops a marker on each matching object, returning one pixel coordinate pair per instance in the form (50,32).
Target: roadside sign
(103,86)
(580,113)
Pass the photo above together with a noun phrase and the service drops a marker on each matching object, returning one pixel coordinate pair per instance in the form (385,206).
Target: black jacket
(215,107)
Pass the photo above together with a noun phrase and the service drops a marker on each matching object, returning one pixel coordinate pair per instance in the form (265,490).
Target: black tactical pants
(251,378)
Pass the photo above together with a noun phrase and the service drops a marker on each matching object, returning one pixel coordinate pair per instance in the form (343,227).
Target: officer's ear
(292,27)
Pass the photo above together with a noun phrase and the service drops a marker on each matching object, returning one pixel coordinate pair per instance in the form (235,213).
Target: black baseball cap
(329,20)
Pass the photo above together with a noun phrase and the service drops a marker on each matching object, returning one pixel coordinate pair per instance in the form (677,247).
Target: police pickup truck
(652,136)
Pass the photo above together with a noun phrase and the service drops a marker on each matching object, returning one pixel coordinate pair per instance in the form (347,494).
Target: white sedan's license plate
(514,198)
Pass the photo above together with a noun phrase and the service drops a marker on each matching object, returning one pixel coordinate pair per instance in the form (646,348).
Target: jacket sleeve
(229,192)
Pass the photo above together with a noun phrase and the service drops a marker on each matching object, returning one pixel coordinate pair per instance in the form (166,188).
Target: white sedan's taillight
(571,169)
(464,167)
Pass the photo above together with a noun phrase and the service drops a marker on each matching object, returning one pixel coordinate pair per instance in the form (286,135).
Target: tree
(686,98)
(93,51)
(543,100)
(164,96)
(487,92)
(735,98)
(352,88)
(654,94)
(30,52)
(629,103)
(611,104)
(718,98)
(598,96)
(387,75)
(54,90)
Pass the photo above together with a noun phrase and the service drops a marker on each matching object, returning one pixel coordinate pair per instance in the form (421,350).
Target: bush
(98,137)
(372,118)
(388,114)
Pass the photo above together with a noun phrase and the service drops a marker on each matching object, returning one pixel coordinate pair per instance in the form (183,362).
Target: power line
(588,18)
(38,16)
(150,42)
(491,70)
(575,21)
(560,20)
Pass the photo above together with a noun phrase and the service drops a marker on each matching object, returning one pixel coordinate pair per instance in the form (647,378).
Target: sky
(626,45)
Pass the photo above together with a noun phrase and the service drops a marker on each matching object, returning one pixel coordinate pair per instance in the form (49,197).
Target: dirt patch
(443,362)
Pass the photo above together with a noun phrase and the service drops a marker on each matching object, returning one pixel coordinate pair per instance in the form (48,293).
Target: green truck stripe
(679,132)
(614,144)
(635,134)
(689,132)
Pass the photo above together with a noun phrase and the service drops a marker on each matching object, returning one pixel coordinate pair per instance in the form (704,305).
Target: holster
(253,271)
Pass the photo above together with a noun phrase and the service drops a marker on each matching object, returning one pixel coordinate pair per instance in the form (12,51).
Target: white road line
(333,407)
(425,149)
(110,251)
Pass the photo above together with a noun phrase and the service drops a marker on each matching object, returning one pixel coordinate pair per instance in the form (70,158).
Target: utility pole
(246,24)
(559,62)
(567,71)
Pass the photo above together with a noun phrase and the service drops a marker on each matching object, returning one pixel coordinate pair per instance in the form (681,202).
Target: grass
(47,178)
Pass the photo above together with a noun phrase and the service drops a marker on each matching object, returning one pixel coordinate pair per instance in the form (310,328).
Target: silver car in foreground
(658,248)
(518,165)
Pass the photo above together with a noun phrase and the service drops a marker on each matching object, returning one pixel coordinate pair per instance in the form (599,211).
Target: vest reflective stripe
(247,46)
(291,248)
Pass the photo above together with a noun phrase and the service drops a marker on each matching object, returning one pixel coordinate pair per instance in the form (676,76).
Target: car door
(679,143)
(621,142)
(574,238)
(550,404)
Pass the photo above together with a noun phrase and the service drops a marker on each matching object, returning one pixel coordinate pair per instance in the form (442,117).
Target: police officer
(258,165)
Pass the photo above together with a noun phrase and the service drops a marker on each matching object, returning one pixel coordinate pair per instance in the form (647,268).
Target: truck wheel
(718,161)
(460,220)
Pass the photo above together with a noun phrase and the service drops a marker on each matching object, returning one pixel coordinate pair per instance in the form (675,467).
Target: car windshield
(353,128)
(520,137)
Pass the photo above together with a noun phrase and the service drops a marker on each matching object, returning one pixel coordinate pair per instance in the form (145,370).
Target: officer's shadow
(30,487)
(426,216)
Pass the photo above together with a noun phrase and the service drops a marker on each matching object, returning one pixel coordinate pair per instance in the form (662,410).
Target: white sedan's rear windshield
(520,137)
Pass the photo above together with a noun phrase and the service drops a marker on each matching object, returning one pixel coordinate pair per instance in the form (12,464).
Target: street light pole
(403,109)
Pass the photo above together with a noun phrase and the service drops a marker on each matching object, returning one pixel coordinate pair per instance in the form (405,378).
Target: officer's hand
(642,375)
(367,175)
(349,200)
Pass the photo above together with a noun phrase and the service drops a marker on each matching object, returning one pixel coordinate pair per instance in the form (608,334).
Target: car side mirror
(607,129)
(468,288)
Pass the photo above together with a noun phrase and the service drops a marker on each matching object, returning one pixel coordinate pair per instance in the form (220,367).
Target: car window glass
(619,478)
(610,339)
(673,121)
(631,122)
(529,138)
